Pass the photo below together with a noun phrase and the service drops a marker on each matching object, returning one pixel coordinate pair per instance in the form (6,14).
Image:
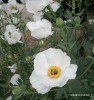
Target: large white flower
(40,29)
(54,5)
(14,79)
(12,7)
(12,35)
(33,6)
(52,68)
(13,68)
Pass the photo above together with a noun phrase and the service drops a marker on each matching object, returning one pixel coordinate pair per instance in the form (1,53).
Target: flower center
(54,72)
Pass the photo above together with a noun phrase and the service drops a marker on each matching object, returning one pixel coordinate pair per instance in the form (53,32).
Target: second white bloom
(40,29)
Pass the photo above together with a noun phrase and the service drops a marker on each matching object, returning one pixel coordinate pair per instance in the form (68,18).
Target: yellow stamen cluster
(54,72)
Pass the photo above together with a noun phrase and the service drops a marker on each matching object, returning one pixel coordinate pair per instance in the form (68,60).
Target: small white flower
(12,35)
(67,21)
(91,21)
(33,6)
(40,29)
(12,7)
(52,68)
(9,98)
(13,68)
(38,16)
(14,79)
(54,5)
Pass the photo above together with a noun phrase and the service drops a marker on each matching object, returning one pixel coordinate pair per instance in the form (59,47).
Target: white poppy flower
(52,68)
(13,68)
(37,16)
(12,7)
(33,6)
(54,5)
(9,98)
(12,35)
(14,79)
(40,29)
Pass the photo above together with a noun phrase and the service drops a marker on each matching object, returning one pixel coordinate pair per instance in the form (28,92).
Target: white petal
(65,62)
(70,72)
(64,81)
(40,64)
(37,84)
(36,5)
(41,33)
(55,6)
(31,26)
(51,82)
(9,98)
(14,79)
(56,57)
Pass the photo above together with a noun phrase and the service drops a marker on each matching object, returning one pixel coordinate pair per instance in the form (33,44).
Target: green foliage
(74,38)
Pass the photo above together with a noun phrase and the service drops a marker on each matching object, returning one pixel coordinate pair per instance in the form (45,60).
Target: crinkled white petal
(55,6)
(13,68)
(51,82)
(70,72)
(40,64)
(14,79)
(64,81)
(9,98)
(34,6)
(65,61)
(56,57)
(38,16)
(37,84)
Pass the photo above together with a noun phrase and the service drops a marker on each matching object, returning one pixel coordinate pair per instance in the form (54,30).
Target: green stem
(73,6)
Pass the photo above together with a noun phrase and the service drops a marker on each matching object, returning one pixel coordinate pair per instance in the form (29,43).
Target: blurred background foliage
(75,38)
